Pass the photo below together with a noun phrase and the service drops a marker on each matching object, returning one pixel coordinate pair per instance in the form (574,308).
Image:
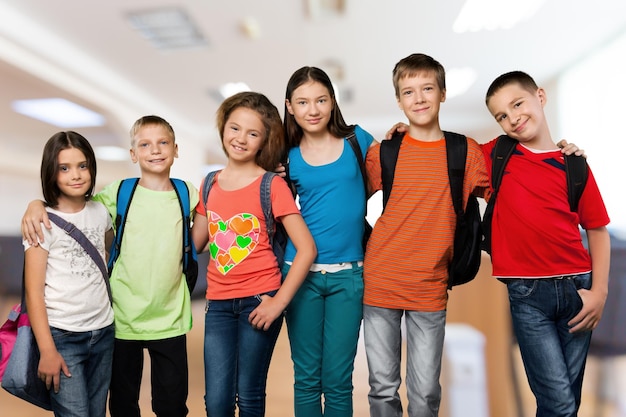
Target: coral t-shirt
(242,261)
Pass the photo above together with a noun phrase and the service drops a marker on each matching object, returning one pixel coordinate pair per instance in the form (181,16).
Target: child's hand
(264,315)
(31,222)
(398,127)
(570,148)
(280,170)
(589,316)
(50,367)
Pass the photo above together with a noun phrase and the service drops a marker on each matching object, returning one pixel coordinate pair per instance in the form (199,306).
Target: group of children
(328,283)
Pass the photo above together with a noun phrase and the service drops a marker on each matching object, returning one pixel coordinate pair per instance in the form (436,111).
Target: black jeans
(169,377)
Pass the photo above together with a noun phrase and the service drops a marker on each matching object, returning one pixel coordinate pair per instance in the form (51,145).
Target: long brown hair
(273,147)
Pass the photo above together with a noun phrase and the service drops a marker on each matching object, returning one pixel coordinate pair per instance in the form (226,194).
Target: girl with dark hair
(66,295)
(324,318)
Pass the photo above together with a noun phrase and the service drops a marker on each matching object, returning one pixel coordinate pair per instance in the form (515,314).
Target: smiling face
(520,113)
(244,135)
(420,97)
(154,149)
(311,105)
(73,175)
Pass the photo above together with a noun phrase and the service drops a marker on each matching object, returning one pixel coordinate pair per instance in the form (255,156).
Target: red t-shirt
(242,262)
(534,233)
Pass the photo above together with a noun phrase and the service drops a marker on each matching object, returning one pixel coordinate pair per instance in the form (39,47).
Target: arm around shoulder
(31,222)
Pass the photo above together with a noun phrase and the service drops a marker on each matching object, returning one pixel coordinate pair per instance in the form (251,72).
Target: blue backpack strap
(182,192)
(124,196)
(206,186)
(266,204)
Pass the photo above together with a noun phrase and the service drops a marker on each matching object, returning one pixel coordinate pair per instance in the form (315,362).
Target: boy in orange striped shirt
(406,263)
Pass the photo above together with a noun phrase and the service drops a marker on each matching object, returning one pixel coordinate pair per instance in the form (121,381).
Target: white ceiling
(87,52)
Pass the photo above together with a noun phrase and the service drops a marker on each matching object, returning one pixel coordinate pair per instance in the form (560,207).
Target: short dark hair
(273,146)
(414,63)
(50,164)
(336,126)
(514,77)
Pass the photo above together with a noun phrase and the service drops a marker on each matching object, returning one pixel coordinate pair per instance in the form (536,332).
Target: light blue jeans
(236,358)
(383,343)
(553,357)
(323,321)
(89,357)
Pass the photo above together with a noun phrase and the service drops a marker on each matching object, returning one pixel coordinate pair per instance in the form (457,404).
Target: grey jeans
(383,344)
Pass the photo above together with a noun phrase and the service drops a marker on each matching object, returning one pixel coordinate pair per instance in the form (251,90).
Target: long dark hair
(336,126)
(50,164)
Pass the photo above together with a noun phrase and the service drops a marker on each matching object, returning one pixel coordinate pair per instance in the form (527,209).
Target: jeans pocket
(521,288)
(259,297)
(582,281)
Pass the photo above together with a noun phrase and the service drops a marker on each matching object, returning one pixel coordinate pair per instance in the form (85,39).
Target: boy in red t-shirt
(538,252)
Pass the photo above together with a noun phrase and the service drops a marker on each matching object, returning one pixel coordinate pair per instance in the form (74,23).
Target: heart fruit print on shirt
(232,240)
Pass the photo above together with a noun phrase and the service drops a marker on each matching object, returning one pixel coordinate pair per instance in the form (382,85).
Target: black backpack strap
(502,152)
(124,196)
(351,138)
(389,150)
(456,152)
(577,172)
(266,204)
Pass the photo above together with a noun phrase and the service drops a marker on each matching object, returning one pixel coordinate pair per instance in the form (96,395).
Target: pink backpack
(8,334)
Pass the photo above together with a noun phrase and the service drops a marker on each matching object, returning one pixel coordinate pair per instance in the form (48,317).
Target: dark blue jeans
(88,356)
(236,358)
(553,357)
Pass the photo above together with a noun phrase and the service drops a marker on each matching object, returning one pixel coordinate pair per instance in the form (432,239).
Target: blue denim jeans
(383,345)
(236,358)
(323,320)
(553,357)
(88,356)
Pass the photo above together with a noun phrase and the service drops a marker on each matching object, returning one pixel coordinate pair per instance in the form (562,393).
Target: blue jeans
(553,357)
(88,356)
(236,358)
(383,344)
(323,320)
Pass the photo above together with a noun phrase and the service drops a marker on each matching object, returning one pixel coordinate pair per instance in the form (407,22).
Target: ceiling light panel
(58,112)
(167,28)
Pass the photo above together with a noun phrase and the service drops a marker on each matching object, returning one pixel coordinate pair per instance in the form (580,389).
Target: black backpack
(124,196)
(468,233)
(275,230)
(576,171)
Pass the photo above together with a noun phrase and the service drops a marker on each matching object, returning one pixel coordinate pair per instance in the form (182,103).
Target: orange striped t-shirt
(407,257)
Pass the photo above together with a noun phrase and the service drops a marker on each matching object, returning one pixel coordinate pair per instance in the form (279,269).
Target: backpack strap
(456,152)
(502,152)
(577,172)
(77,234)
(266,204)
(182,192)
(352,140)
(389,150)
(206,186)
(266,198)
(124,196)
